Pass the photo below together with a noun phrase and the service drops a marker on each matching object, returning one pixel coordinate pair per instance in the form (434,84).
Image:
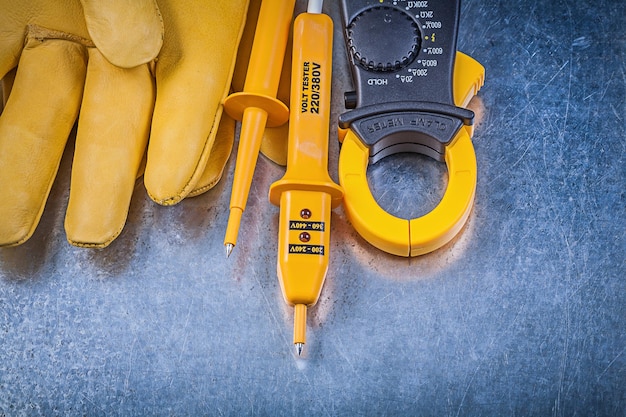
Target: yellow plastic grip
(306,193)
(307,157)
(413,237)
(263,76)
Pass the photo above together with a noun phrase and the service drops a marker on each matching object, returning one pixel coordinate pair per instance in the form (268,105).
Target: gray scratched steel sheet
(523,314)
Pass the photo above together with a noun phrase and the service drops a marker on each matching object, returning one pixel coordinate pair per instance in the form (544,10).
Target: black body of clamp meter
(402,55)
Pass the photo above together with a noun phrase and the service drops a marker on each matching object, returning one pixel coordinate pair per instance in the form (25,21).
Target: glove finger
(220,152)
(112,136)
(6,85)
(34,128)
(274,143)
(128,32)
(193,74)
(16,15)
(245,46)
(275,139)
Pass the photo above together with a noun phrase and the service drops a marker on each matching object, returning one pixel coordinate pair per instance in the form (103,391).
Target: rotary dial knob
(383,39)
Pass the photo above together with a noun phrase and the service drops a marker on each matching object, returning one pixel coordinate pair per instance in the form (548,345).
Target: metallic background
(523,314)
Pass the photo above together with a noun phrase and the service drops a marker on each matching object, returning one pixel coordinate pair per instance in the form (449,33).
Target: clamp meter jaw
(410,88)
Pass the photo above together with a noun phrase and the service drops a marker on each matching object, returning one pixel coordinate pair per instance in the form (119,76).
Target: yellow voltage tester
(412,87)
(306,193)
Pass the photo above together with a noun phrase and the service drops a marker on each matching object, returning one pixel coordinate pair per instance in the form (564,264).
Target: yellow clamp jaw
(413,237)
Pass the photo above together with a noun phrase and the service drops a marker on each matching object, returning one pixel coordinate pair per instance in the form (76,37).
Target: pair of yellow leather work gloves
(143,78)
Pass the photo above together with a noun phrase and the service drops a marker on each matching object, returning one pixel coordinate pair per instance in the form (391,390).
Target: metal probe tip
(229,249)
(299,347)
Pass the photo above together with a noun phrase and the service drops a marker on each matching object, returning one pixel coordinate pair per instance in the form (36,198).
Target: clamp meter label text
(424,122)
(311,79)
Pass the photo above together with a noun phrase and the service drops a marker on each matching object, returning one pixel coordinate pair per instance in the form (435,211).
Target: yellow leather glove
(135,70)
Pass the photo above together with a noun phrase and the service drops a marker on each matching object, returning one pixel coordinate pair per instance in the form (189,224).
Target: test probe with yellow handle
(257,106)
(306,194)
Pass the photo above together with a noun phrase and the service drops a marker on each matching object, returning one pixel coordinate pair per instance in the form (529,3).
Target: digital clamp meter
(411,86)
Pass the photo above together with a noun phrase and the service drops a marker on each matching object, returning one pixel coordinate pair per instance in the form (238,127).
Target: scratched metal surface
(523,314)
